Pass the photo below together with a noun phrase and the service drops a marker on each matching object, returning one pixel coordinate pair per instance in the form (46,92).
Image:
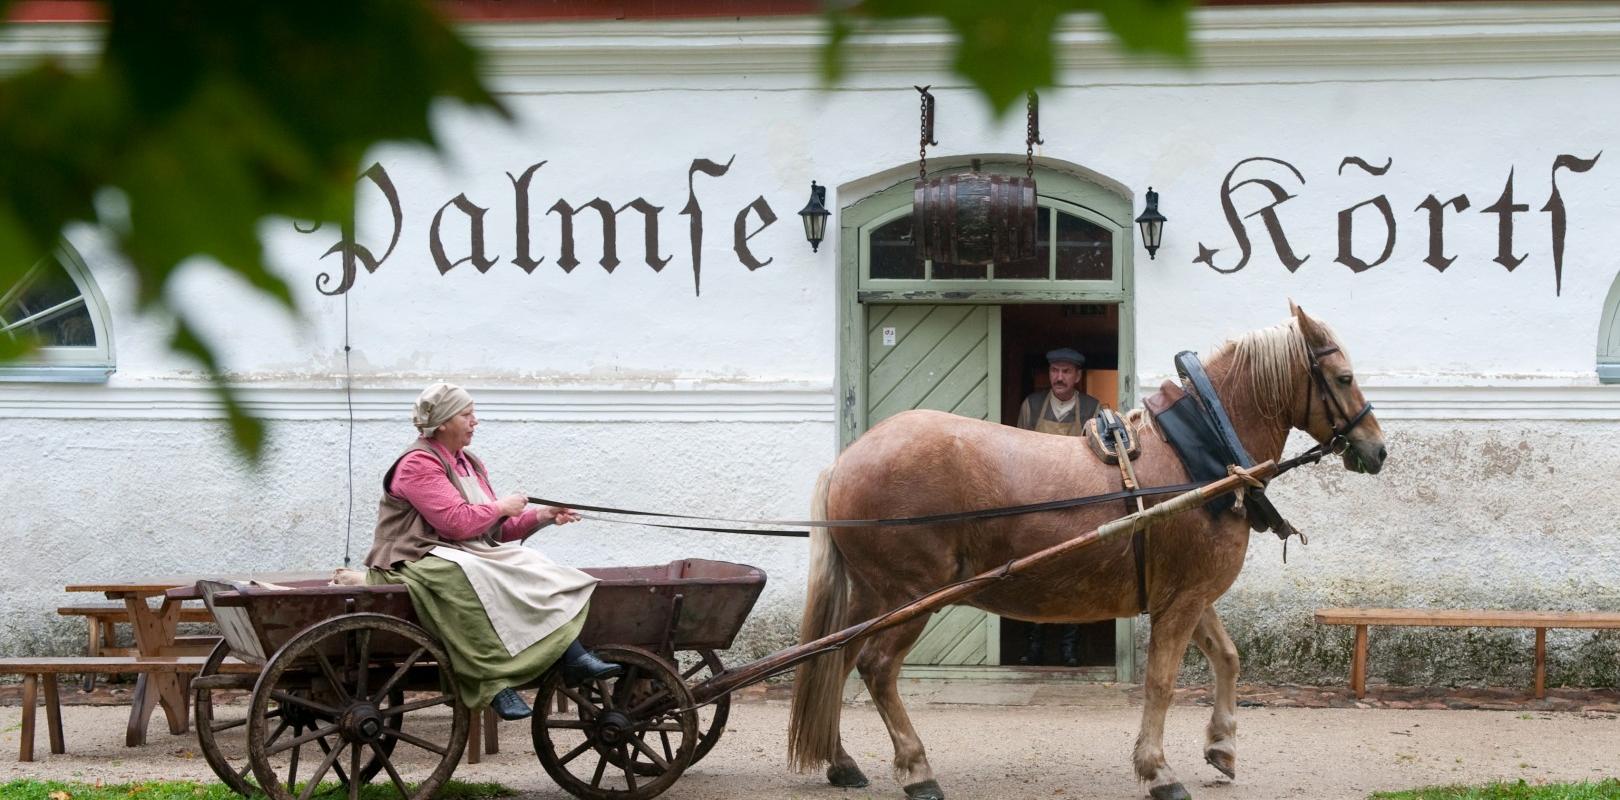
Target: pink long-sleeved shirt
(421,481)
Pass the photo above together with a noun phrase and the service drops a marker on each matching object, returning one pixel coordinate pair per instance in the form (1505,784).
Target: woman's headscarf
(437,404)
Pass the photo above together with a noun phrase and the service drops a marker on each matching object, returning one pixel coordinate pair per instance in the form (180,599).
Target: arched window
(1085,252)
(1608,350)
(57,303)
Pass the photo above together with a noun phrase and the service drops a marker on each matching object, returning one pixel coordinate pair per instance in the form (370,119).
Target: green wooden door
(941,357)
(947,358)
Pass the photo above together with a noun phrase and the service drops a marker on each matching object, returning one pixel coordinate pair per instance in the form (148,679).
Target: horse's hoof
(1222,760)
(849,777)
(925,790)
(1169,791)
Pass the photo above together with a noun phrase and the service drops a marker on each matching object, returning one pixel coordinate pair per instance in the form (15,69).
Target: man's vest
(1037,405)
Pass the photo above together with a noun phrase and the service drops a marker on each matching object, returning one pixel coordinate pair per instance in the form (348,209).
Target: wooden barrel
(974,218)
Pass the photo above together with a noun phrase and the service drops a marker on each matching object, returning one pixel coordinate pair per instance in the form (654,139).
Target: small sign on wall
(888,336)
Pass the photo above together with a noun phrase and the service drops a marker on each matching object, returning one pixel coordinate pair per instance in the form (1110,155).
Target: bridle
(1339,442)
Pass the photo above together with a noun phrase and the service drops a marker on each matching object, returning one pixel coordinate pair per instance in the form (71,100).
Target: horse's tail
(818,690)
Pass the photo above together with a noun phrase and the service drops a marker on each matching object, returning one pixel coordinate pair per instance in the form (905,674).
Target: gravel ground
(1000,741)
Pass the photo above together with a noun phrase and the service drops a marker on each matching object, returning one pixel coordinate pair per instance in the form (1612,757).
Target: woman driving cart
(505,612)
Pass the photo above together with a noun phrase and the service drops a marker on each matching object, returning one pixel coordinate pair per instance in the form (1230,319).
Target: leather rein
(1337,444)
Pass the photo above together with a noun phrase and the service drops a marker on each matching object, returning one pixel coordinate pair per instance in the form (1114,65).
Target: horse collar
(1197,384)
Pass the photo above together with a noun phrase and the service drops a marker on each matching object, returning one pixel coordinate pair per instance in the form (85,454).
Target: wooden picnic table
(155,638)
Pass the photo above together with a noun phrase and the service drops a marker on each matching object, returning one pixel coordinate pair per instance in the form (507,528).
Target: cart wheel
(712,717)
(222,732)
(213,725)
(640,724)
(711,720)
(349,718)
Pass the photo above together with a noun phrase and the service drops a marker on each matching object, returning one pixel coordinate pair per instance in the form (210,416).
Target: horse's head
(1332,409)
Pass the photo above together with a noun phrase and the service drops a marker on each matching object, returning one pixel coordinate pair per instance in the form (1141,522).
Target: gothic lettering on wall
(1437,257)
(1506,208)
(1347,220)
(463,212)
(695,211)
(475,230)
(1267,214)
(352,251)
(1555,207)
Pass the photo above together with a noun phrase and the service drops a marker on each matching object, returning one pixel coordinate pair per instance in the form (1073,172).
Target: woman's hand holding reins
(558,515)
(512,505)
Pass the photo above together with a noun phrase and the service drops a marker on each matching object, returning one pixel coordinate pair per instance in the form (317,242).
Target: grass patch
(1520,790)
(187,790)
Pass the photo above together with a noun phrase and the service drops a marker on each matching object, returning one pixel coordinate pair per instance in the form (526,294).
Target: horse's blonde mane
(1271,356)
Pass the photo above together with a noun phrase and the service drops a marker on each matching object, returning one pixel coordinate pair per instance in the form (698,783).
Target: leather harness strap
(1120,435)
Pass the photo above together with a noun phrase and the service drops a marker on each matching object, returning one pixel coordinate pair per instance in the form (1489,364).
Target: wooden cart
(343,667)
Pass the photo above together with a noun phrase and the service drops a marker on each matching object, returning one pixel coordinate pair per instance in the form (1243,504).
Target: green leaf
(15,348)
(246,430)
(58,133)
(1005,48)
(206,118)
(1156,27)
(832,51)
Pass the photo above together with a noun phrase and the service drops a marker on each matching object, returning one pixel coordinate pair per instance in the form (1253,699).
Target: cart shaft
(777,663)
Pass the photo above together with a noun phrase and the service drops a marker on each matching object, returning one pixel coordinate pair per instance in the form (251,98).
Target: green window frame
(58,297)
(1608,347)
(1052,212)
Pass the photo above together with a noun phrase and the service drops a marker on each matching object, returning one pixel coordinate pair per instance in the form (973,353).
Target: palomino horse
(926,462)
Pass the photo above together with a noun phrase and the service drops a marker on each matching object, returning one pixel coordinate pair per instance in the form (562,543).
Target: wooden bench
(103,620)
(38,671)
(1362,618)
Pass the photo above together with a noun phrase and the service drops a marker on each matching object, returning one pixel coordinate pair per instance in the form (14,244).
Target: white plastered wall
(630,388)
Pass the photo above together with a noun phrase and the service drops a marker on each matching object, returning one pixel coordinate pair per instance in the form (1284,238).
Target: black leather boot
(581,665)
(509,705)
(1032,646)
(1069,646)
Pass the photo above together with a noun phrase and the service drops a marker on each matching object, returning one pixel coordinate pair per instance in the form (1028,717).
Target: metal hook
(927,115)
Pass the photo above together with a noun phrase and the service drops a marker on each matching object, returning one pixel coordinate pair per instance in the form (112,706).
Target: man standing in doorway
(1062,410)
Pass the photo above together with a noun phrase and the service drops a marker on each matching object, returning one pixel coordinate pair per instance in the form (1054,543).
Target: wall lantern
(1152,223)
(815,215)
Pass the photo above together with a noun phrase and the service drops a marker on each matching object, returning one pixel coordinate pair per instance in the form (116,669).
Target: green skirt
(448,608)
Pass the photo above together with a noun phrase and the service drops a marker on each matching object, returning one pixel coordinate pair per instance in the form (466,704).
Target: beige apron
(1074,426)
(526,595)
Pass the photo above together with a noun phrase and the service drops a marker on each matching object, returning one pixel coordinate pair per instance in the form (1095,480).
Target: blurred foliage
(200,120)
(1005,48)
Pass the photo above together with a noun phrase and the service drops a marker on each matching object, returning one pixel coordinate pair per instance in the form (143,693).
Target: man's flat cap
(1066,354)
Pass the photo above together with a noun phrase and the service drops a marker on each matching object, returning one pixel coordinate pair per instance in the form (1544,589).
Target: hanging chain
(1032,134)
(927,125)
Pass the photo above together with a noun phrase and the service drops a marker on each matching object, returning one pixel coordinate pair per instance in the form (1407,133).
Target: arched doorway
(1608,348)
(970,340)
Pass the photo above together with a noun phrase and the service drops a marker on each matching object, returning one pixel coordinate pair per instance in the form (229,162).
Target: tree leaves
(204,118)
(247,431)
(1005,47)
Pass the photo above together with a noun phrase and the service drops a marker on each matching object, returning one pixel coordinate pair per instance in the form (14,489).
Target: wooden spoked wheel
(625,738)
(222,728)
(712,717)
(222,731)
(339,685)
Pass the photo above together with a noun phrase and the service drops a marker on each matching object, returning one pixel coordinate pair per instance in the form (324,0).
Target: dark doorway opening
(1027,333)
